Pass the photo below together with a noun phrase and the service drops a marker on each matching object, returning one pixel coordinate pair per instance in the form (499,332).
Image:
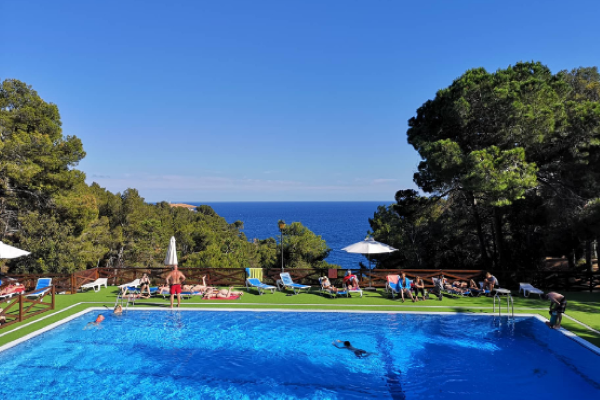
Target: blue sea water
(338,223)
(289,355)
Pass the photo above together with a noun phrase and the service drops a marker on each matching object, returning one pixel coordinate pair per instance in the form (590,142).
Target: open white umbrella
(7,251)
(171,258)
(367,247)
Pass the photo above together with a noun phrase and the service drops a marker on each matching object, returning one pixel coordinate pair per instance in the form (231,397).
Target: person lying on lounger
(328,286)
(164,289)
(198,288)
(360,353)
(459,287)
(221,293)
(475,290)
(11,289)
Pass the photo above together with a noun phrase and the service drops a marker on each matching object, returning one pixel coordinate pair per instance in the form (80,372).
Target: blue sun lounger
(41,287)
(287,282)
(261,287)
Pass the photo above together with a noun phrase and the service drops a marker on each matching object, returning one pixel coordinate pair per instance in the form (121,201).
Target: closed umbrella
(7,251)
(171,258)
(367,247)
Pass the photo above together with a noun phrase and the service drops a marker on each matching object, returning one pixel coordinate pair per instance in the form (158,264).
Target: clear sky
(255,100)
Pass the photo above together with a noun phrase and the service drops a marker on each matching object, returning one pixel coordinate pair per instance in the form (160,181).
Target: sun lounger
(528,288)
(287,282)
(393,285)
(332,293)
(42,286)
(134,283)
(452,291)
(96,285)
(261,287)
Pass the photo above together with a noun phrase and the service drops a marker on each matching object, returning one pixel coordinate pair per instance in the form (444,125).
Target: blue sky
(277,100)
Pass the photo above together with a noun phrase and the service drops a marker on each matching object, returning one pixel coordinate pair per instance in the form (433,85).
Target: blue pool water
(273,355)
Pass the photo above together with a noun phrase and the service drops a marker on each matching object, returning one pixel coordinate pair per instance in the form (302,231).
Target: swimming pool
(289,355)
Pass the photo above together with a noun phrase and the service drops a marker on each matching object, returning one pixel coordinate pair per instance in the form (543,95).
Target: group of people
(174,287)
(469,286)
(350,283)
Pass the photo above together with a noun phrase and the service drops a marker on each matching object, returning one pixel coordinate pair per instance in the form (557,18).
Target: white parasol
(171,258)
(367,247)
(7,251)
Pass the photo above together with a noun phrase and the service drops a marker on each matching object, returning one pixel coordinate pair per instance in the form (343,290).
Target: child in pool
(96,323)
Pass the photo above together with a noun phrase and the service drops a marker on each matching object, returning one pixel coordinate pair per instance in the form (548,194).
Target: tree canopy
(511,159)
(47,208)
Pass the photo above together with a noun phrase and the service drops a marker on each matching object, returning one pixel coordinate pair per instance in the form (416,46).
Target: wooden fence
(20,307)
(547,280)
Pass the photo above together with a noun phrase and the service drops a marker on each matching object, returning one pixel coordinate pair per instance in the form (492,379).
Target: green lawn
(584,307)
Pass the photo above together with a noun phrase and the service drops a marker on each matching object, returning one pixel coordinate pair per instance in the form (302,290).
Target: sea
(339,223)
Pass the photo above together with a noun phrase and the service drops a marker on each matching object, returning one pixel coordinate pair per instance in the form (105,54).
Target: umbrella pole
(370,288)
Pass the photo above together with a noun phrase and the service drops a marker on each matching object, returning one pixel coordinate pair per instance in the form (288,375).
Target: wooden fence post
(53,292)
(20,307)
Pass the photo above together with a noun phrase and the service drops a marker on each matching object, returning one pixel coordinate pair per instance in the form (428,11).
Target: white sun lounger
(135,282)
(96,285)
(528,288)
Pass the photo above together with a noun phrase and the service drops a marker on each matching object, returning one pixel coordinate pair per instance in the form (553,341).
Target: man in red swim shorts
(174,280)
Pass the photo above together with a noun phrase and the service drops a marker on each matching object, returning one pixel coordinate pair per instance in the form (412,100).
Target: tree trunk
(571,258)
(588,255)
(499,238)
(484,254)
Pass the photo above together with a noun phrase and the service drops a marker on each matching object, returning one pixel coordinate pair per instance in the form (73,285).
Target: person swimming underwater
(360,353)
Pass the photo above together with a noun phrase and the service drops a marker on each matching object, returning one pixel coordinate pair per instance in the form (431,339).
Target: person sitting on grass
(360,353)
(327,285)
(221,293)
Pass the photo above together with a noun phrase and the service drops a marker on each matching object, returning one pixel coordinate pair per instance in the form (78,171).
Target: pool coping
(31,335)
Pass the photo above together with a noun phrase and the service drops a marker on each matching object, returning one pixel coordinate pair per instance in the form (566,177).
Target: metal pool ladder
(509,301)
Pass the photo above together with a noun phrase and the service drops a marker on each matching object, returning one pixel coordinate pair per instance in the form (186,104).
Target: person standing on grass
(558,306)
(174,280)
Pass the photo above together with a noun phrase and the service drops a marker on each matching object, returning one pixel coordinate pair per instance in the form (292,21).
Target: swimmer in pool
(97,322)
(346,345)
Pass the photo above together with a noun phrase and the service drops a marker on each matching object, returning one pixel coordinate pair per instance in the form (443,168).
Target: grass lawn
(584,307)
